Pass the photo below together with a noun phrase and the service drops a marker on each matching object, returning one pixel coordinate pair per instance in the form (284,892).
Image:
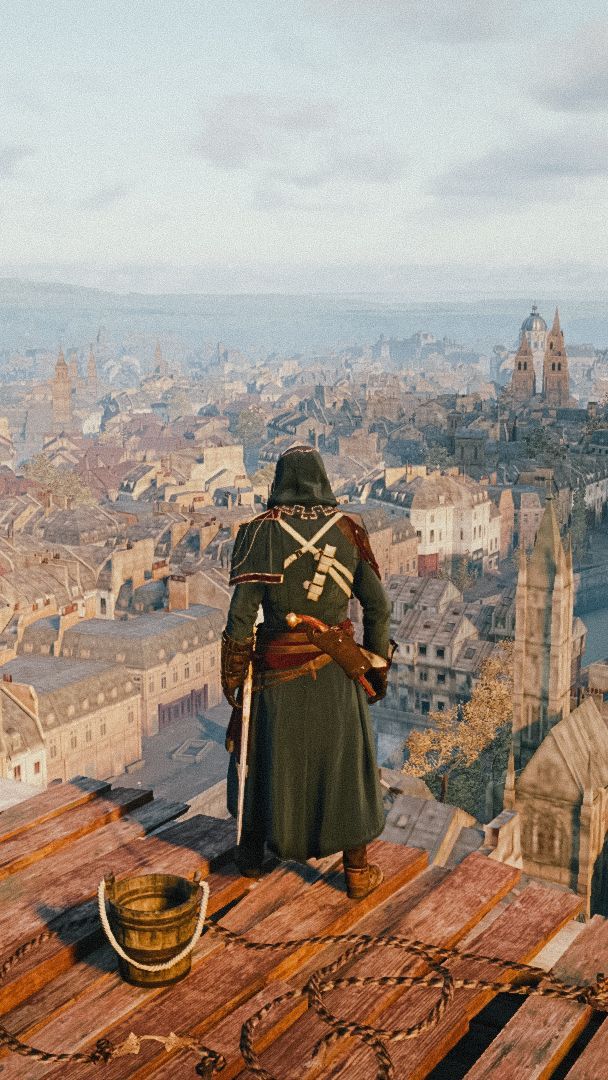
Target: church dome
(534,324)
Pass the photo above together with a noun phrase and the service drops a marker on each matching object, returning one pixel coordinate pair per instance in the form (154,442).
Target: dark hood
(300,480)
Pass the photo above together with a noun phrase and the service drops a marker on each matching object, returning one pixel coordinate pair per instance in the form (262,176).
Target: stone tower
(160,364)
(523,380)
(62,395)
(92,386)
(556,381)
(543,639)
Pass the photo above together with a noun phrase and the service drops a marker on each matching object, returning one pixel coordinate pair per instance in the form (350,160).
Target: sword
(242,763)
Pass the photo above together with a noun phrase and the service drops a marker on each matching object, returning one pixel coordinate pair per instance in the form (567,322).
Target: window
(163,682)
(419,534)
(36,768)
(73,740)
(440,706)
(103,606)
(16,772)
(102,727)
(212,660)
(441,676)
(424,677)
(440,652)
(88,734)
(53,750)
(131,716)
(174,673)
(197,667)
(432,535)
(187,671)
(151,685)
(422,650)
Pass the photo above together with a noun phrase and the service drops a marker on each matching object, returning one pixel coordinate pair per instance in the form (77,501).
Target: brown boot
(361,877)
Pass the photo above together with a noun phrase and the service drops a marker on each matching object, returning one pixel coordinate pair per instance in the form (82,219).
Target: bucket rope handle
(101,900)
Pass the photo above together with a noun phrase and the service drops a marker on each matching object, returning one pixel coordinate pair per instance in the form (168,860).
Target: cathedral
(558,771)
(540,369)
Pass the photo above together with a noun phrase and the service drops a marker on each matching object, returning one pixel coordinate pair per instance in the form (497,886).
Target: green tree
(458,572)
(250,427)
(437,457)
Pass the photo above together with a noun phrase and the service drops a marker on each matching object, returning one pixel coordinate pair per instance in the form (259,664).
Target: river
(597,635)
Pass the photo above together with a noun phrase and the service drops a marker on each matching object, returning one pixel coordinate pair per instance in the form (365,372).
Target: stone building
(61,392)
(556,380)
(534,329)
(523,380)
(454,518)
(86,715)
(542,672)
(558,773)
(173,658)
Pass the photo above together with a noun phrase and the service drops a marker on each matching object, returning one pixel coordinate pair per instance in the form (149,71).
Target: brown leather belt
(285,655)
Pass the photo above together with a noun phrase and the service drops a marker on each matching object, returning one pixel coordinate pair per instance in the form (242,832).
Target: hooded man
(312,785)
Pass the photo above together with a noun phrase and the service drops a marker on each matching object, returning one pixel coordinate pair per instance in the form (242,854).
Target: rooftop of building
(49,673)
(66,993)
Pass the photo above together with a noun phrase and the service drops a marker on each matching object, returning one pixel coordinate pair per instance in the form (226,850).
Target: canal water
(597,635)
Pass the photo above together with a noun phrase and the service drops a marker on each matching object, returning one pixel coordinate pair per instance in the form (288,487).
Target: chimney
(179,593)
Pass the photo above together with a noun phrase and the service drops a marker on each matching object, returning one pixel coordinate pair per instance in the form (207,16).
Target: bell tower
(62,395)
(543,638)
(523,380)
(556,380)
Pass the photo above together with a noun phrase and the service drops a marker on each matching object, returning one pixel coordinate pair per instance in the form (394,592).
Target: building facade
(173,658)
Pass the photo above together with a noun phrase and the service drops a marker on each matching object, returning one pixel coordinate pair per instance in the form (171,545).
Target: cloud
(294,145)
(534,169)
(10,158)
(104,197)
(575,75)
(460,21)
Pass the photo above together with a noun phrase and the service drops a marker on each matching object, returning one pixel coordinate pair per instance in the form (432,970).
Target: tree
(250,427)
(458,572)
(540,442)
(63,485)
(437,457)
(457,737)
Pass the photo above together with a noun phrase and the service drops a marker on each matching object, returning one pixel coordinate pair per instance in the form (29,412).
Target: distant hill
(38,315)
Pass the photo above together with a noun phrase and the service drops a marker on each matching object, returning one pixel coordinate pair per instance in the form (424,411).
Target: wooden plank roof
(63,993)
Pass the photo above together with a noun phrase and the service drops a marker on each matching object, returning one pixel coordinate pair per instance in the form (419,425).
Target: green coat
(313,780)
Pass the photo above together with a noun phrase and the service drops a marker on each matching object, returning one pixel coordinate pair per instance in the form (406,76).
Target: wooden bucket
(153,918)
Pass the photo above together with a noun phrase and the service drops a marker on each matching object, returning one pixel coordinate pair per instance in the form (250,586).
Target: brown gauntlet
(235,658)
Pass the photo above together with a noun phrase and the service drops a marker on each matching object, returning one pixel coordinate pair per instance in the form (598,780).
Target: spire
(548,554)
(524,352)
(556,328)
(61,368)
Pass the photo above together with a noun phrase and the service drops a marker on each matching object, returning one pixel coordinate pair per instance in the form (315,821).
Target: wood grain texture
(443,916)
(532,1044)
(65,1011)
(65,901)
(49,804)
(40,898)
(55,833)
(518,934)
(224,979)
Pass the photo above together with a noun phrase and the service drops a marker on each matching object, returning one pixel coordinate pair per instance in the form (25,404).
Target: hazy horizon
(334,144)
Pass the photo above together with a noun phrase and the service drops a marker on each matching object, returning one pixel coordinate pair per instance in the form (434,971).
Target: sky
(418,147)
